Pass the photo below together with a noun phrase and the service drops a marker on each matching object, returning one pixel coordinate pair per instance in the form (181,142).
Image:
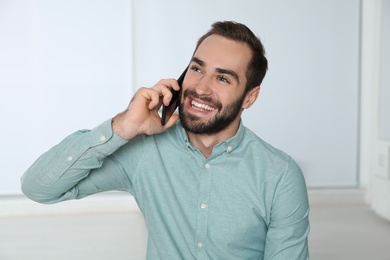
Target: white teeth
(201,106)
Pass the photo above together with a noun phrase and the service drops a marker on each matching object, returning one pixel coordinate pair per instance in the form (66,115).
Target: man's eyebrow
(228,72)
(197,60)
(219,70)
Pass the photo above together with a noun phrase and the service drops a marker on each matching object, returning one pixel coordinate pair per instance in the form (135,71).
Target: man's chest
(216,203)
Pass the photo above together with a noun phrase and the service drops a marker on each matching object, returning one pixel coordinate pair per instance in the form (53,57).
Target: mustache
(212,101)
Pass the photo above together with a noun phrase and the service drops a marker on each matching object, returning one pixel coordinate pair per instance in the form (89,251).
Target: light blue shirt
(248,200)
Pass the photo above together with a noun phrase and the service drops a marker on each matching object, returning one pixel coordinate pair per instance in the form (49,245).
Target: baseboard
(352,196)
(118,202)
(110,202)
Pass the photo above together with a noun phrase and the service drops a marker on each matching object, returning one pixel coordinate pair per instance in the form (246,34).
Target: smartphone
(167,111)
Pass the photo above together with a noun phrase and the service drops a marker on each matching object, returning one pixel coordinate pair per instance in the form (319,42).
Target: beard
(224,117)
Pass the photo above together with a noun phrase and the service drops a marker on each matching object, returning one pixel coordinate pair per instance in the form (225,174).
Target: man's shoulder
(253,141)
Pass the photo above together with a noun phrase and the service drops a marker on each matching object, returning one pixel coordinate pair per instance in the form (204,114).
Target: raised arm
(84,162)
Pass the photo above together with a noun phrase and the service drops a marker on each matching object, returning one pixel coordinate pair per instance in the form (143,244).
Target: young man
(207,186)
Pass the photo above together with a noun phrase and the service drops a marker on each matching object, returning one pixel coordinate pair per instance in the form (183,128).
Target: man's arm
(81,164)
(289,222)
(61,173)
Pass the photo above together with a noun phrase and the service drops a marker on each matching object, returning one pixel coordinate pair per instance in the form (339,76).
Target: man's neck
(206,142)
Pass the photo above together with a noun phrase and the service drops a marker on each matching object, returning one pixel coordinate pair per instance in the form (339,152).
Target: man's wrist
(119,127)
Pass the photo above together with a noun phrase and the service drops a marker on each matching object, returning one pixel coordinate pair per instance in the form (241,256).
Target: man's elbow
(36,192)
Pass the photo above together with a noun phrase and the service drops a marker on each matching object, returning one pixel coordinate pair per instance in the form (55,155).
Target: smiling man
(215,91)
(208,187)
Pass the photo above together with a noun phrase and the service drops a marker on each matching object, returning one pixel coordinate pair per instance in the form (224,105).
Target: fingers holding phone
(141,115)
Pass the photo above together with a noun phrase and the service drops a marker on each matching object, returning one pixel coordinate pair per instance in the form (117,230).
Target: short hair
(258,65)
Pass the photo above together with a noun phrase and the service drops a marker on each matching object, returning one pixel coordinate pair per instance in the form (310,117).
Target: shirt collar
(228,145)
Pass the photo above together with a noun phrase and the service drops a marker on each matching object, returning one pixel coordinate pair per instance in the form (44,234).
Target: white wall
(384,77)
(67,65)
(64,66)
(309,101)
(375,153)
(370,54)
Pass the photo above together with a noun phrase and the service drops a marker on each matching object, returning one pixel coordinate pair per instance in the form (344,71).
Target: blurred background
(70,65)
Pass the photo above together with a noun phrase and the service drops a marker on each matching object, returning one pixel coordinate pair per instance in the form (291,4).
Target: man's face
(213,89)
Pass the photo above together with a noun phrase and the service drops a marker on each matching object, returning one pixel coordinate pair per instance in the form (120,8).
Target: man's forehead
(224,53)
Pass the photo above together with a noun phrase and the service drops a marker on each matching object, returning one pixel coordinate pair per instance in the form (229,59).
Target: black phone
(167,111)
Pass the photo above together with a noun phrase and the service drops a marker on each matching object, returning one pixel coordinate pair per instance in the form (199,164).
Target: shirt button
(102,138)
(70,158)
(207,165)
(200,245)
(229,148)
(203,205)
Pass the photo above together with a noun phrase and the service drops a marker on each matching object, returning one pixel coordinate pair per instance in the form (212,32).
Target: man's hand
(141,116)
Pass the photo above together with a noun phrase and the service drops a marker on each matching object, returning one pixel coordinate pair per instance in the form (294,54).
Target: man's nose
(203,87)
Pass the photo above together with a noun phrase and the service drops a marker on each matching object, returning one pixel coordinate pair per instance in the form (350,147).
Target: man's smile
(201,107)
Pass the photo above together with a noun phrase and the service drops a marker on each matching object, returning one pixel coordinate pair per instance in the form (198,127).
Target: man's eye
(223,79)
(195,68)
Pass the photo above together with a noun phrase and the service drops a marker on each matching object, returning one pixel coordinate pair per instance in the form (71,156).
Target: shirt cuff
(104,139)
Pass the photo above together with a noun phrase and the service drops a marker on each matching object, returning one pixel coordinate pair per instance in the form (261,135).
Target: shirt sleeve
(78,166)
(289,222)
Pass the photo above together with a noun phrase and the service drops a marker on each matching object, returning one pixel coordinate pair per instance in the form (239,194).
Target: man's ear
(251,97)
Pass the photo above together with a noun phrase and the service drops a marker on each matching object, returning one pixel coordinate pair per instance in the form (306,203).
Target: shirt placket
(203,210)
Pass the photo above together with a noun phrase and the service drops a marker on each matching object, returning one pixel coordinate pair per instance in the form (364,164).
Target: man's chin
(201,127)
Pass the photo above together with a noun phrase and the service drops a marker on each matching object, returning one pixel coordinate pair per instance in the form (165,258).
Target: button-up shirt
(248,200)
